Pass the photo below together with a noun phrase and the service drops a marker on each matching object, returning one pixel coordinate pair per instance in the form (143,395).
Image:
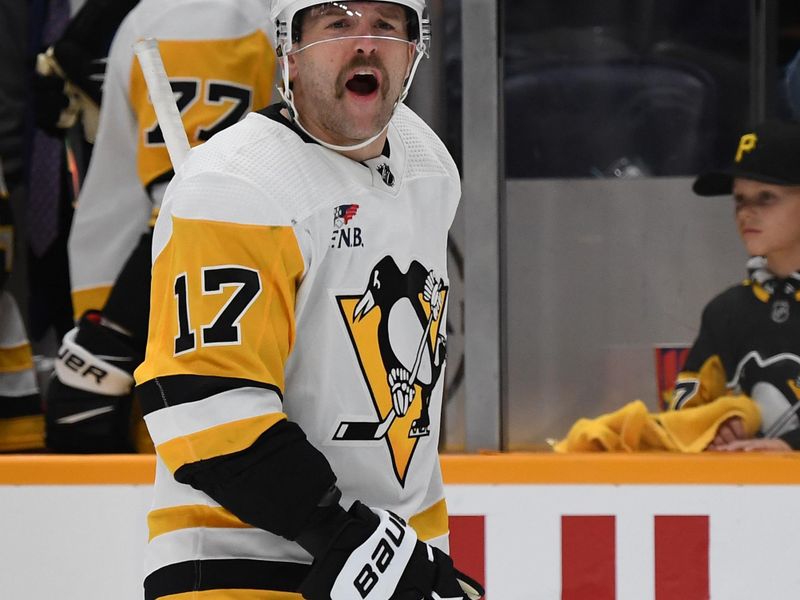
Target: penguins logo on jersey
(774,384)
(396,330)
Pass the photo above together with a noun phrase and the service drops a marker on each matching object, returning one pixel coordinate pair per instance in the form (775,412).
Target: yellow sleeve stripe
(233,595)
(89,298)
(165,520)
(267,326)
(431,522)
(215,441)
(22,433)
(16,358)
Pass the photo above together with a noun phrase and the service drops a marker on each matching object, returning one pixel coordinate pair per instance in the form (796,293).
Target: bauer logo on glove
(380,571)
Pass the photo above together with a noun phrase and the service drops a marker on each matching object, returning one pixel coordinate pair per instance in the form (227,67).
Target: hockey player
(284,289)
(21,420)
(222,65)
(749,339)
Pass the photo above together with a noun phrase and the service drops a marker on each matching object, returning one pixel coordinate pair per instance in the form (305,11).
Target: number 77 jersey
(221,65)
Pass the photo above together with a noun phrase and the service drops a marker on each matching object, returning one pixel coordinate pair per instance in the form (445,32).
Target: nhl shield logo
(386,174)
(780,311)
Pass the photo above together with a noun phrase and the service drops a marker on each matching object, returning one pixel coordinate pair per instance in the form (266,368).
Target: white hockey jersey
(21,419)
(221,64)
(323,282)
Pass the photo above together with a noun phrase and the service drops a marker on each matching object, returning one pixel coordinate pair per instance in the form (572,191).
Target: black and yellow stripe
(19,406)
(172,390)
(16,358)
(226,579)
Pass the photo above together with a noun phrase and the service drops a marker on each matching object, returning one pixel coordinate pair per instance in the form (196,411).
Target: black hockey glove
(377,556)
(49,102)
(89,398)
(81,67)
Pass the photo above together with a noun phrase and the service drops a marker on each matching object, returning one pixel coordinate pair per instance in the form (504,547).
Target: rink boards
(532,526)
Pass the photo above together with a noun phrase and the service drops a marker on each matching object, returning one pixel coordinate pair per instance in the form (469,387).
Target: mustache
(363,60)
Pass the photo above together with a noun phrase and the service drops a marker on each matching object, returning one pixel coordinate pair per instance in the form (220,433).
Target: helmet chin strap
(288,98)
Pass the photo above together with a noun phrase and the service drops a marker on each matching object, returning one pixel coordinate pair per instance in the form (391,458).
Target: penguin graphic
(774,384)
(408,356)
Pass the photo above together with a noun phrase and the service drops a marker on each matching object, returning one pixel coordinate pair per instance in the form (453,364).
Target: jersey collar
(767,285)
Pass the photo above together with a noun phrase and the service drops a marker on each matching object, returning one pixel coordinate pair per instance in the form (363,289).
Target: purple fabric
(47,155)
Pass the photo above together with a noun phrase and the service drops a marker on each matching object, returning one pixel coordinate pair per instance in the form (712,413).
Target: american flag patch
(344,213)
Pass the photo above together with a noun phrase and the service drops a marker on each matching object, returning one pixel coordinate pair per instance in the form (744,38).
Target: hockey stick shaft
(420,350)
(163,99)
(387,422)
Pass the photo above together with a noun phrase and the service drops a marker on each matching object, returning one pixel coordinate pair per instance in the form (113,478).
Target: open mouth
(362,84)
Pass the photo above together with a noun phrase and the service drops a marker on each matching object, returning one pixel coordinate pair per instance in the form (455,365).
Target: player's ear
(411,54)
(292,67)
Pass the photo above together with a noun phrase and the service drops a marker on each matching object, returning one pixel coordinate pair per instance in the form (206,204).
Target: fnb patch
(342,235)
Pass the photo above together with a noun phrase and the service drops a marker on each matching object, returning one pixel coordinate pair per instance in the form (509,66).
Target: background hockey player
(222,64)
(749,339)
(284,288)
(21,419)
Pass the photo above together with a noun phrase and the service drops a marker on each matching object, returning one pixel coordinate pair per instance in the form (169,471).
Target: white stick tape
(163,99)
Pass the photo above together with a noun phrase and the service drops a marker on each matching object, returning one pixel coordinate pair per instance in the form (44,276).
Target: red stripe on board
(588,557)
(468,545)
(681,557)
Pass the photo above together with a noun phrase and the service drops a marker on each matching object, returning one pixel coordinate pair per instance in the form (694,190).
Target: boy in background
(749,339)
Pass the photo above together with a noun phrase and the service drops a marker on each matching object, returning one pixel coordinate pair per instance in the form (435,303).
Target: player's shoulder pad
(184,20)
(198,20)
(273,171)
(426,154)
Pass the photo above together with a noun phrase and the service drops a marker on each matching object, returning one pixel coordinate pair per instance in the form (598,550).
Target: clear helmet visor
(386,22)
(381,44)
(373,64)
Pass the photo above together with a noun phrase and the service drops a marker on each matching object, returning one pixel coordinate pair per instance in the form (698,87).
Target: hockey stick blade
(363,431)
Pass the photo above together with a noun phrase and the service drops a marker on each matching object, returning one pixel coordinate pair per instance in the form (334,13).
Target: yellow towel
(632,428)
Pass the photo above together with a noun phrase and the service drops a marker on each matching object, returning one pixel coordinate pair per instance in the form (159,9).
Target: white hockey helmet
(283,12)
